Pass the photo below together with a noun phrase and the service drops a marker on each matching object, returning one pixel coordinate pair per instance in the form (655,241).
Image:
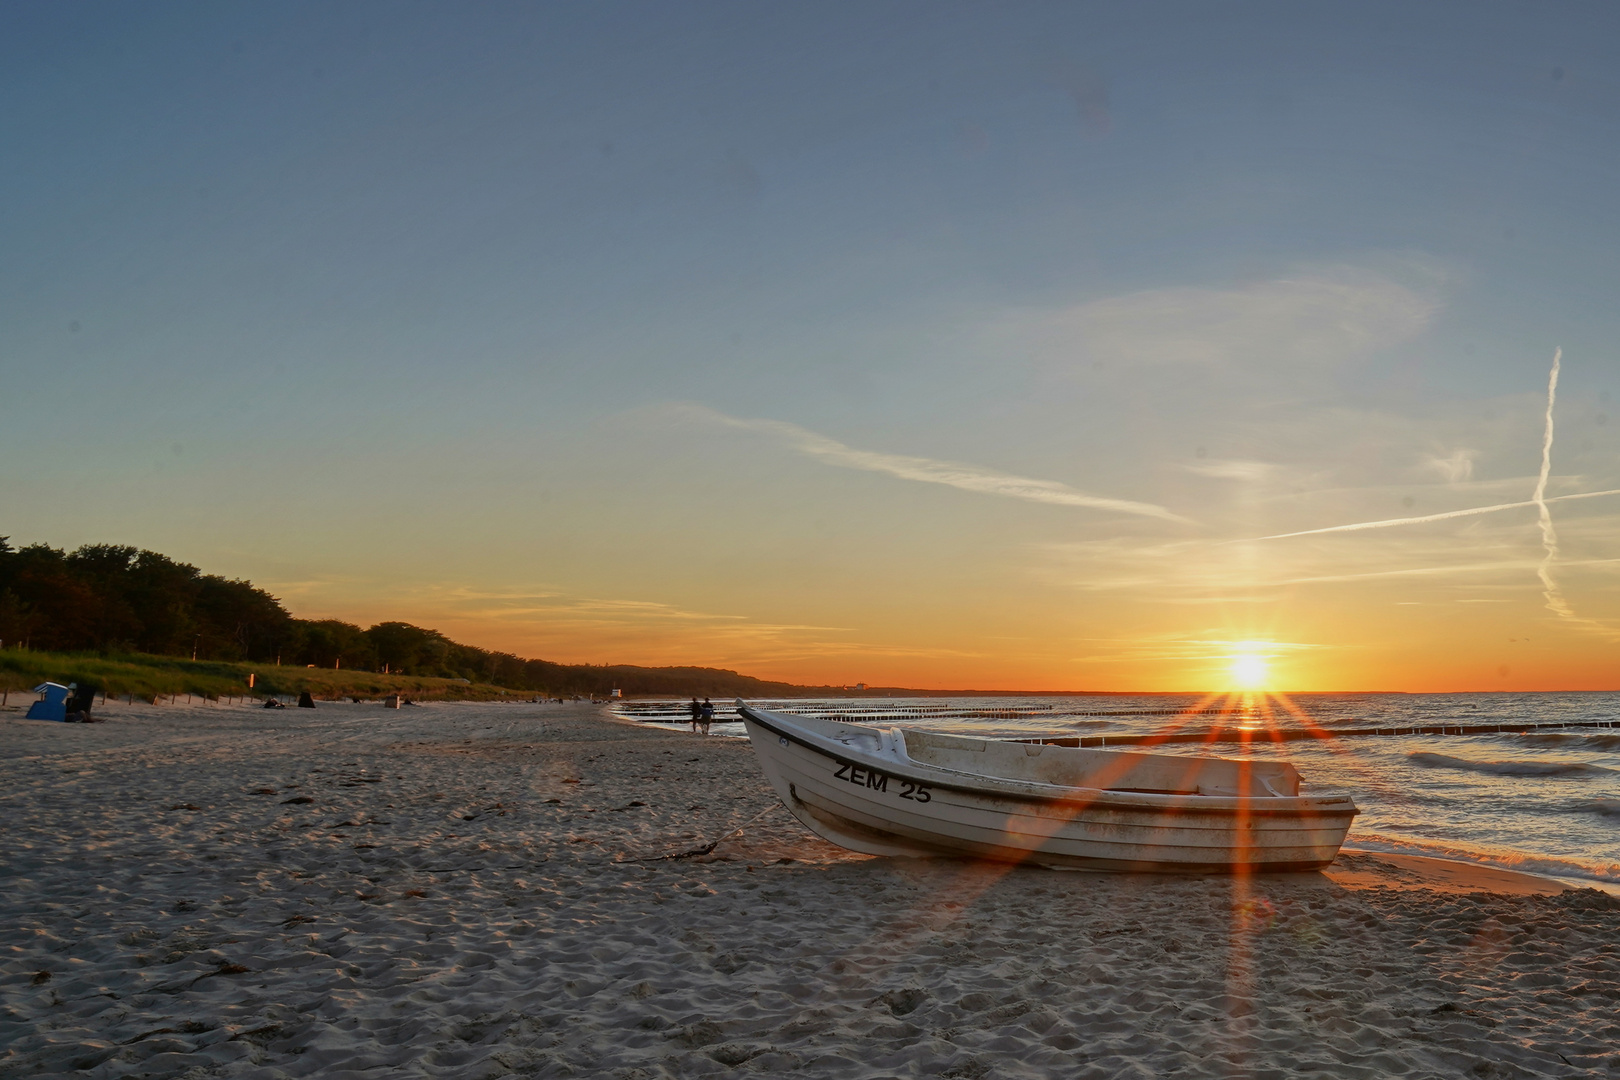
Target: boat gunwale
(1106,799)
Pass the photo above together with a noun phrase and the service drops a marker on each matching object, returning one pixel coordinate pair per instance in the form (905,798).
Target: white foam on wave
(1584,871)
(1507,768)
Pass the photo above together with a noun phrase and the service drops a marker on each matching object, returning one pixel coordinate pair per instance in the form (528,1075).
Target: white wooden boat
(892,791)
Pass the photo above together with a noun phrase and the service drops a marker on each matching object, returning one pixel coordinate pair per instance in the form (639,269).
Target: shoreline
(1365,868)
(492,889)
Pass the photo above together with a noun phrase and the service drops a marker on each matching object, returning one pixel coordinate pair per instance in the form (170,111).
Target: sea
(1545,802)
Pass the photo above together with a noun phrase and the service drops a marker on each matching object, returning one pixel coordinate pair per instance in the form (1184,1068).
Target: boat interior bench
(1112,770)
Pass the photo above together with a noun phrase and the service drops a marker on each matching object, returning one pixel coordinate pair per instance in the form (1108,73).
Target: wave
(1609,808)
(1585,742)
(1509,768)
(1585,870)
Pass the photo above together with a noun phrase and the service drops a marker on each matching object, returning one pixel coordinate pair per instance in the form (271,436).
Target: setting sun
(1248,668)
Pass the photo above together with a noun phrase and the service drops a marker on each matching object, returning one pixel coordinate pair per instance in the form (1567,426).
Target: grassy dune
(150,676)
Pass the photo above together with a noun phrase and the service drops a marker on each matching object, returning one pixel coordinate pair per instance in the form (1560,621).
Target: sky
(1003,345)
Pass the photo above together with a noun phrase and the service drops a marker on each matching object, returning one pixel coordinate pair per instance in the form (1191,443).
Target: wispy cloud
(1455,468)
(1171,648)
(1233,469)
(1318,318)
(954,474)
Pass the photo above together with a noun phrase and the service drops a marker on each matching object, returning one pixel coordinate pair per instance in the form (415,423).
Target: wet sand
(485,890)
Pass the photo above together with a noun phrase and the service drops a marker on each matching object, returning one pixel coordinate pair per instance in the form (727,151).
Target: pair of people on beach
(702,715)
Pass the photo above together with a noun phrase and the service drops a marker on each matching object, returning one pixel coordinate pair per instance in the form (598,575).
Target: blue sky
(525,321)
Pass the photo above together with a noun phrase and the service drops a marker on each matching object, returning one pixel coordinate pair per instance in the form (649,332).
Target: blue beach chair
(52,704)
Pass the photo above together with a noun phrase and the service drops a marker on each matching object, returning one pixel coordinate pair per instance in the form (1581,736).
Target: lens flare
(1249,668)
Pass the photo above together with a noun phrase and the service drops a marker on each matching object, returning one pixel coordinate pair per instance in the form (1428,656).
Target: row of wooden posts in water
(1265,734)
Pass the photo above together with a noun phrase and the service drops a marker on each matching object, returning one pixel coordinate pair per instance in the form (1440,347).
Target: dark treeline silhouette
(111,599)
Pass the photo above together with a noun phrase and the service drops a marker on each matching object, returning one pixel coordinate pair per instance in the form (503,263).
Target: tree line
(112,599)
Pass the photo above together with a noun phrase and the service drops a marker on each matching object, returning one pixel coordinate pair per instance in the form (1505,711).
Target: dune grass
(149,677)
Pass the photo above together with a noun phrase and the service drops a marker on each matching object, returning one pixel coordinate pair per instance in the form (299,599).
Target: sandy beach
(488,890)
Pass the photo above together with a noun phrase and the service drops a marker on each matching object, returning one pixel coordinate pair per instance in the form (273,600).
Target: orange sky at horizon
(1357,636)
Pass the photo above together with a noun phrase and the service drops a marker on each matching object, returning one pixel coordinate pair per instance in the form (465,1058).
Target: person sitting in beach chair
(77,707)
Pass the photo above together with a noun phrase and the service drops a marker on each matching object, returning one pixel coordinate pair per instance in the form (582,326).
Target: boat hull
(854,794)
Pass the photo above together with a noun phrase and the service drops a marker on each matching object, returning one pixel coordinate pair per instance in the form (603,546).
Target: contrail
(931,471)
(1389,523)
(1538,499)
(1549,536)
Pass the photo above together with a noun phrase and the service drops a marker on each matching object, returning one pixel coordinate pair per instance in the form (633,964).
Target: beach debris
(297,800)
(306,700)
(692,854)
(40,978)
(273,703)
(708,849)
(190,1027)
(185,806)
(225,968)
(264,791)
